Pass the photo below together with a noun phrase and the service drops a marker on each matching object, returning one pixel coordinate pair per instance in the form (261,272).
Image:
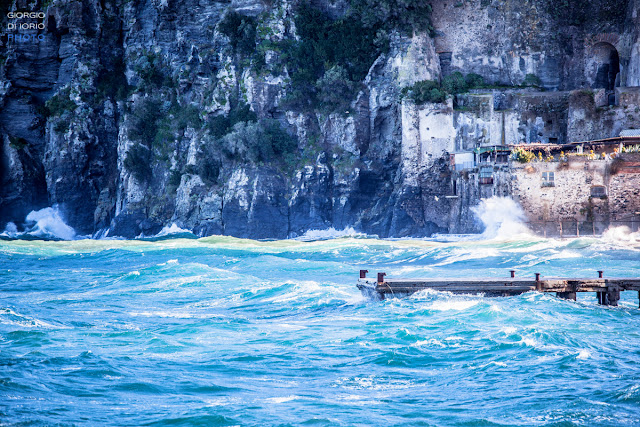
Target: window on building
(548,179)
(486,175)
(598,191)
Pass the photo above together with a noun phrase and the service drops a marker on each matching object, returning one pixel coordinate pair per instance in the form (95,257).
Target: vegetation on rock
(432,91)
(241,31)
(138,162)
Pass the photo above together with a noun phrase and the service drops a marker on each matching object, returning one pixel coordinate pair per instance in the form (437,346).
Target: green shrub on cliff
(155,123)
(335,89)
(474,81)
(432,91)
(138,162)
(143,121)
(425,91)
(151,68)
(241,31)
(345,46)
(454,83)
(338,51)
(221,124)
(532,80)
(261,141)
(112,82)
(60,103)
(403,15)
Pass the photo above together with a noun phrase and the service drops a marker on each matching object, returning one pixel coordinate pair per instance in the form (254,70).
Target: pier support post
(600,296)
(566,295)
(613,296)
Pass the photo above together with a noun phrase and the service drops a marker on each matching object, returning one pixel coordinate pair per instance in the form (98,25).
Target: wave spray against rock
(502,218)
(46,223)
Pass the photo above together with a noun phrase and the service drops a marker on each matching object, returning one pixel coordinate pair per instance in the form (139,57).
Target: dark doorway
(607,64)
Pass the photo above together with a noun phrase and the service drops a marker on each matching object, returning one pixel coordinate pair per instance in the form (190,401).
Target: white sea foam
(502,218)
(282,399)
(46,223)
(583,355)
(329,233)
(453,304)
(172,229)
(508,330)
(10,229)
(622,236)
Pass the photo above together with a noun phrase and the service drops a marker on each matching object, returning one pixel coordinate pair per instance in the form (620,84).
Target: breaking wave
(622,236)
(47,223)
(331,233)
(172,231)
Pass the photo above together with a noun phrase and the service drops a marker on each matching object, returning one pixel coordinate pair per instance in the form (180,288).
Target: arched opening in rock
(607,66)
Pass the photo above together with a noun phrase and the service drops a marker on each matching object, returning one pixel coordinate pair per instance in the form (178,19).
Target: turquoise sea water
(223,331)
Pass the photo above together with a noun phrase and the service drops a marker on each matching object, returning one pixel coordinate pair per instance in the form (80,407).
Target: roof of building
(630,132)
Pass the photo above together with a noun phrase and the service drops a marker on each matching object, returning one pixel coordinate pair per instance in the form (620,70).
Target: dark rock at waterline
(132,225)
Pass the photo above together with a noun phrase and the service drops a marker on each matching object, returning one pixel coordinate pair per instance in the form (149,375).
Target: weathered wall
(569,207)
(505,40)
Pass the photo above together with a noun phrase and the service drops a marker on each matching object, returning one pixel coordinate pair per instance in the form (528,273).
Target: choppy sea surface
(222,331)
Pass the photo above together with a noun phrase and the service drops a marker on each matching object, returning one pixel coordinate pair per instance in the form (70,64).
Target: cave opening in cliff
(607,62)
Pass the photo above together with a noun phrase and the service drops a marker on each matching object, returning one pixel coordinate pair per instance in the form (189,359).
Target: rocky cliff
(266,119)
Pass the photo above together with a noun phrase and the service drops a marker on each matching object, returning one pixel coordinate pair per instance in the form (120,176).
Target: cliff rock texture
(265,119)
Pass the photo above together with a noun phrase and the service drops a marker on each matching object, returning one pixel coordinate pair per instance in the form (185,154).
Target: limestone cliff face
(117,115)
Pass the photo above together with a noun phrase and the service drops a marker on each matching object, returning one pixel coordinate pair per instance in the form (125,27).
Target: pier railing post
(363,274)
(513,273)
(381,277)
(538,283)
(602,296)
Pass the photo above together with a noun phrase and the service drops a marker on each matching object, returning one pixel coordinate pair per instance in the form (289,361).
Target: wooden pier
(607,289)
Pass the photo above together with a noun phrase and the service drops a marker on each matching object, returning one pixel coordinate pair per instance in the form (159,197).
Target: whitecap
(583,355)
(508,330)
(329,233)
(282,399)
(172,229)
(458,305)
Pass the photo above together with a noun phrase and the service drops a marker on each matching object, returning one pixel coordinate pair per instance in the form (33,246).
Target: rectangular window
(598,191)
(548,179)
(486,175)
